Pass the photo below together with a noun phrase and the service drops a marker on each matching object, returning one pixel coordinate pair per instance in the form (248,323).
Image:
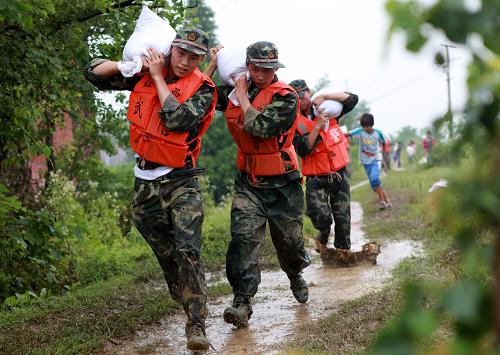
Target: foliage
(31,247)
(407,134)
(471,207)
(49,43)
(218,154)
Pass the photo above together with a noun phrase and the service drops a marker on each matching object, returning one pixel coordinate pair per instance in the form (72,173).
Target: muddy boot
(196,339)
(239,313)
(299,288)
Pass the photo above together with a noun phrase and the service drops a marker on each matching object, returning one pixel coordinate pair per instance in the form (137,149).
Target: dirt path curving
(276,313)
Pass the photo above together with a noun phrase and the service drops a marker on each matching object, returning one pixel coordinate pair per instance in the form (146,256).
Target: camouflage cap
(192,39)
(263,54)
(300,86)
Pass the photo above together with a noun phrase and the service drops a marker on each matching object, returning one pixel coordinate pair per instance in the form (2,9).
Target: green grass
(354,326)
(83,320)
(130,294)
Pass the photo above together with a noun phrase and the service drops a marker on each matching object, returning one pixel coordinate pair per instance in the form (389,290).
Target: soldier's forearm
(161,89)
(106,69)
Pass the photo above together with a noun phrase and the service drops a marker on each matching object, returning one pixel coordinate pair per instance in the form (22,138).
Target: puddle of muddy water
(276,313)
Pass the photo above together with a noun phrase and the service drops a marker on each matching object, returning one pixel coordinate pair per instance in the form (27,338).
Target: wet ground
(276,313)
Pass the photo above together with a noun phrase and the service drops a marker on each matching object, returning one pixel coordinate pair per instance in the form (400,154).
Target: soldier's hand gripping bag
(151,31)
(231,64)
(330,108)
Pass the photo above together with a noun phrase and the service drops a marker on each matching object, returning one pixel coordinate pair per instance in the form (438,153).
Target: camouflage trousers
(328,196)
(251,208)
(169,215)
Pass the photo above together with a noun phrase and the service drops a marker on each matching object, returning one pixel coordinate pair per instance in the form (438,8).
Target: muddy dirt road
(276,313)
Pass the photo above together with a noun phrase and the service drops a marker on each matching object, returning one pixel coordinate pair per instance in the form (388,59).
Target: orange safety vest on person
(263,156)
(148,135)
(330,154)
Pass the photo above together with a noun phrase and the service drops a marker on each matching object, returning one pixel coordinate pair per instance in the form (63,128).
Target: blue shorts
(373,173)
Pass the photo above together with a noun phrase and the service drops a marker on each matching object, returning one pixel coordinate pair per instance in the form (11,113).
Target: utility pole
(447,67)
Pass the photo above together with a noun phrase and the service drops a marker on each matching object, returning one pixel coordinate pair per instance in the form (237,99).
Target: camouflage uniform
(327,195)
(168,211)
(277,200)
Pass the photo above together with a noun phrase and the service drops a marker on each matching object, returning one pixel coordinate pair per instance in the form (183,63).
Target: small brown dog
(348,258)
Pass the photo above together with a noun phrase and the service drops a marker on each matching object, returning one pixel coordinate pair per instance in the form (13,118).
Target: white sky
(346,40)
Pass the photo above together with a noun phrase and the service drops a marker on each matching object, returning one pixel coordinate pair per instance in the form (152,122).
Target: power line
(400,86)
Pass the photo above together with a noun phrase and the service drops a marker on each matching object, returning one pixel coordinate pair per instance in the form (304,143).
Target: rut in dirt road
(276,313)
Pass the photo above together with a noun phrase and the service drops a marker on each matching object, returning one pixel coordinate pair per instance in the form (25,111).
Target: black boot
(239,313)
(299,288)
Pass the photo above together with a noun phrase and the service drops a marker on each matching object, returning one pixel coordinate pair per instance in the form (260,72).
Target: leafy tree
(322,83)
(407,134)
(471,209)
(49,43)
(218,155)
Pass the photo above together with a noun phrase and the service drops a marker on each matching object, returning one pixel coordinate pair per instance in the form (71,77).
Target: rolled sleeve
(349,104)
(184,117)
(114,82)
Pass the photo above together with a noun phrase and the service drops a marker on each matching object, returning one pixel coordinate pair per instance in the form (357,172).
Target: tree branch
(118,5)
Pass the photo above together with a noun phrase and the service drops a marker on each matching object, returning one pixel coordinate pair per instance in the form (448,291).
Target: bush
(32,245)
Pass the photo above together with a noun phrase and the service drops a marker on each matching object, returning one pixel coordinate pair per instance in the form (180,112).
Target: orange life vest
(148,135)
(263,156)
(329,155)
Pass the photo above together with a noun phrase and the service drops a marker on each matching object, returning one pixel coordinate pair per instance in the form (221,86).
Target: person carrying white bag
(321,144)
(170,108)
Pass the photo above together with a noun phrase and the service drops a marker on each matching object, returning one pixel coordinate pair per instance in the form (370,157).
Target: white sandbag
(231,64)
(151,31)
(330,108)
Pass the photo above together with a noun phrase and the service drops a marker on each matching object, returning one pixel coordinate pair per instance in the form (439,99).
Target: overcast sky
(346,40)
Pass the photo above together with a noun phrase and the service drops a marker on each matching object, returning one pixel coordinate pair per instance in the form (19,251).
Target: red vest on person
(330,154)
(148,135)
(263,156)
(386,148)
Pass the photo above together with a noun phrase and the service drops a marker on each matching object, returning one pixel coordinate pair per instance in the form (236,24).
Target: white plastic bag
(330,108)
(231,64)
(130,68)
(151,31)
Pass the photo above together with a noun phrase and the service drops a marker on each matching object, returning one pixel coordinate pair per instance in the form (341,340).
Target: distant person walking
(370,154)
(411,151)
(428,144)
(397,154)
(386,153)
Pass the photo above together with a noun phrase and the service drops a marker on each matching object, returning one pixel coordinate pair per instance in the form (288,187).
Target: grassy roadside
(353,328)
(85,318)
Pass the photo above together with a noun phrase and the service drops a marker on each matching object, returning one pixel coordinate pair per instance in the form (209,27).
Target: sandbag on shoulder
(151,31)
(329,107)
(231,64)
